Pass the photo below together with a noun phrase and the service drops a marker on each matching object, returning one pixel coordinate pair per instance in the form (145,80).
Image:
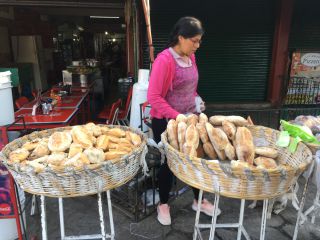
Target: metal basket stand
(103,234)
(239,225)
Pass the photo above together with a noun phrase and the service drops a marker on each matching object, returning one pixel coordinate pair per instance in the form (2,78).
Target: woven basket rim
(66,171)
(253,169)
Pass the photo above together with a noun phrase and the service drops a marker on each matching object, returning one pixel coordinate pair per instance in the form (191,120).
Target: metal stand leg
(62,232)
(214,218)
(33,205)
(239,225)
(196,225)
(43,219)
(110,215)
(103,232)
(264,219)
(304,194)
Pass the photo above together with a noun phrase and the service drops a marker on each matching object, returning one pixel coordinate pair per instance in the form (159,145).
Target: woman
(173,90)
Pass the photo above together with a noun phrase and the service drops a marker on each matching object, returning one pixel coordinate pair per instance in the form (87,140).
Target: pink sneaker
(206,207)
(164,214)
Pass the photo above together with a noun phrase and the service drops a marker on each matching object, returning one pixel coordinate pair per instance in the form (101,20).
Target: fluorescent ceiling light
(106,33)
(104,17)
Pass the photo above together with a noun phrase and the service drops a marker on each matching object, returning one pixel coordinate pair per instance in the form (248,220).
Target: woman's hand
(200,106)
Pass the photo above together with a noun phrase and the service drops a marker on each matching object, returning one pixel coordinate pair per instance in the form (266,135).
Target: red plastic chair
(123,113)
(21,101)
(113,115)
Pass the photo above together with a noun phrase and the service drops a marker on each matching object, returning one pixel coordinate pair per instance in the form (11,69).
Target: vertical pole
(196,224)
(62,232)
(110,215)
(214,218)
(103,232)
(43,218)
(264,219)
(241,219)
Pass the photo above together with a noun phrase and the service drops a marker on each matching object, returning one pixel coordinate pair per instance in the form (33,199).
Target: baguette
(230,152)
(229,128)
(217,120)
(217,137)
(181,118)
(264,162)
(237,120)
(202,133)
(182,128)
(203,118)
(244,145)
(189,150)
(172,130)
(192,136)
(266,152)
(209,150)
(192,119)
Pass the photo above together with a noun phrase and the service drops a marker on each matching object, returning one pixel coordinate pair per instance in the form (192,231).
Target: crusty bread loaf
(217,120)
(192,136)
(18,155)
(203,118)
(172,131)
(95,155)
(31,145)
(181,118)
(221,154)
(230,152)
(40,150)
(202,133)
(217,137)
(82,136)
(237,120)
(229,128)
(244,145)
(182,128)
(264,162)
(75,148)
(135,138)
(59,141)
(114,155)
(117,132)
(189,150)
(192,119)
(200,151)
(209,150)
(102,142)
(266,152)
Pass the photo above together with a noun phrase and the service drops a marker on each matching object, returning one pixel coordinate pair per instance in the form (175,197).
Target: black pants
(165,175)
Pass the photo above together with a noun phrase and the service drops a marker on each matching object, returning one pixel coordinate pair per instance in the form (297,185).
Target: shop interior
(44,46)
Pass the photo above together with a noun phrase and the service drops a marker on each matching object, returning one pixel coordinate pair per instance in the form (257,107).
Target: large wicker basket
(71,183)
(238,182)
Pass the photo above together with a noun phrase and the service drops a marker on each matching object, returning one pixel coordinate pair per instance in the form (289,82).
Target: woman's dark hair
(186,27)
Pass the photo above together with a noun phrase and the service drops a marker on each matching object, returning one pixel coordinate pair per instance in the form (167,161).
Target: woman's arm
(158,87)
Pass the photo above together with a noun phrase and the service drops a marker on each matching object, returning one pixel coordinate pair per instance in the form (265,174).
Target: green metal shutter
(234,58)
(305,30)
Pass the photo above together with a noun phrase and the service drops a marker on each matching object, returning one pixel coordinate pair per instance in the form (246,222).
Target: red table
(74,93)
(59,117)
(66,102)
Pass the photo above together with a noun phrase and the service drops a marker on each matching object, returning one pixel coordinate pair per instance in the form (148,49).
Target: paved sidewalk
(81,217)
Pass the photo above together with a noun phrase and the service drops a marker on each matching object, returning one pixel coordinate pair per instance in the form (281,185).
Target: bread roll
(135,138)
(217,137)
(202,133)
(59,141)
(57,158)
(203,118)
(182,128)
(229,128)
(114,155)
(18,155)
(209,150)
(192,136)
(192,119)
(217,120)
(266,152)
(240,164)
(221,154)
(237,120)
(264,162)
(181,118)
(102,142)
(75,148)
(31,145)
(117,132)
(37,167)
(112,145)
(40,150)
(172,130)
(94,155)
(230,152)
(95,130)
(82,136)
(244,145)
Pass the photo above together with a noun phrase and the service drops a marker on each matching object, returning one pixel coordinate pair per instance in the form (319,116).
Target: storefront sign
(304,82)
(6,206)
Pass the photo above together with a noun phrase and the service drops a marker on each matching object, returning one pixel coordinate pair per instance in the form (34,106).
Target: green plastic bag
(299,131)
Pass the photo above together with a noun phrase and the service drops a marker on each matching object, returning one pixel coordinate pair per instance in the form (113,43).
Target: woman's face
(189,46)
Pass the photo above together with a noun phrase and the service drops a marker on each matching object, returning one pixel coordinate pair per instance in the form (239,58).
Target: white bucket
(6,103)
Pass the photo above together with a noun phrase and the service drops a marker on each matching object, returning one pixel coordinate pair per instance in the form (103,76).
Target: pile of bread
(85,145)
(219,137)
